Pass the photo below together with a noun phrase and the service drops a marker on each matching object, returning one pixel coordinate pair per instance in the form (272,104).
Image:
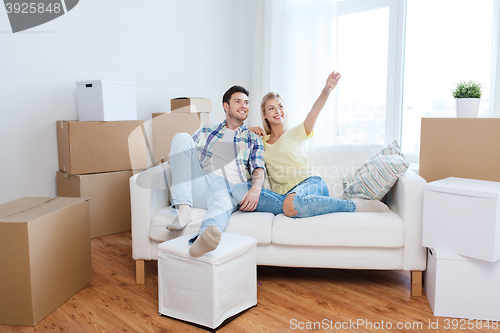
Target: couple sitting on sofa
(222,167)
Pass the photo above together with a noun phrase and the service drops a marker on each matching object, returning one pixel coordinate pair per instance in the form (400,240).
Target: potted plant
(467,95)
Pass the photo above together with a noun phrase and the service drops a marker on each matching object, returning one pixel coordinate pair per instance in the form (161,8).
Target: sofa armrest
(406,199)
(148,194)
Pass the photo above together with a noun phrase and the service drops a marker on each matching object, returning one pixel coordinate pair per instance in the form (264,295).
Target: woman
(296,186)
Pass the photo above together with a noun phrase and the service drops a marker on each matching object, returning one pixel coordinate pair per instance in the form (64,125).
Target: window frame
(396,54)
(395,58)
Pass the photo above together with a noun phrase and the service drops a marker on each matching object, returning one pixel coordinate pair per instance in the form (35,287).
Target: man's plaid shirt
(249,149)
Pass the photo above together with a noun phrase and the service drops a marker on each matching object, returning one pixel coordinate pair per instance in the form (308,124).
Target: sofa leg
(140,271)
(416,283)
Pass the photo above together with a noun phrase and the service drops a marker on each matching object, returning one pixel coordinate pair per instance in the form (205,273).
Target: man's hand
(257,130)
(332,80)
(250,200)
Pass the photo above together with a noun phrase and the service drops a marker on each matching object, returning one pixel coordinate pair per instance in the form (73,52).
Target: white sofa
(388,241)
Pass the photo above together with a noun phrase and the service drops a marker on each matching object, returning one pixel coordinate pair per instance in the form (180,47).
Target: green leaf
(470,89)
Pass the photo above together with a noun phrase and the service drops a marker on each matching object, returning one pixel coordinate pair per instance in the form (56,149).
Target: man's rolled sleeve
(257,157)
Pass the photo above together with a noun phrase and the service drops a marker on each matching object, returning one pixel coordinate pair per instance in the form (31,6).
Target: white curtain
(294,52)
(495,77)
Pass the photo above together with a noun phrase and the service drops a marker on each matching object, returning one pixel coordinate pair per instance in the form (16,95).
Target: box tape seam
(25,210)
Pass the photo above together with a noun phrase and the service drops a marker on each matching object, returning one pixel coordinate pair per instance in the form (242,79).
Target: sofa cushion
(377,175)
(257,225)
(253,224)
(341,229)
(338,161)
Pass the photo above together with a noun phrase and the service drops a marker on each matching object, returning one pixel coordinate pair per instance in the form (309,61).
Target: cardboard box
(97,146)
(167,125)
(461,287)
(109,195)
(190,104)
(44,256)
(463,216)
(140,147)
(460,147)
(104,100)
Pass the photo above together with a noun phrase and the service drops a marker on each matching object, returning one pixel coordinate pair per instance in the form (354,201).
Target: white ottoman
(209,289)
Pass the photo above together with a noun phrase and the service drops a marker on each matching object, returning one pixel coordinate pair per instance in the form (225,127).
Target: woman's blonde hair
(265,122)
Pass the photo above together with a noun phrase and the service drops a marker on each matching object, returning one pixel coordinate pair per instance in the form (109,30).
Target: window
(399,61)
(362,56)
(447,41)
(369,53)
(432,44)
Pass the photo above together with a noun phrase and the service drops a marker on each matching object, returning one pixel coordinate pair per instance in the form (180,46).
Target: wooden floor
(288,299)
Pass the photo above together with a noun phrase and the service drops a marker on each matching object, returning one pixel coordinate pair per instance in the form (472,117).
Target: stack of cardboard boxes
(94,157)
(94,163)
(98,156)
(461,218)
(45,255)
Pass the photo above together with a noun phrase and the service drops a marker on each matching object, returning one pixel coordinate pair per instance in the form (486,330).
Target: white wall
(170,48)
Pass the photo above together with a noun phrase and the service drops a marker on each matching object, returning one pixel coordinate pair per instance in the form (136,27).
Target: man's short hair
(234,89)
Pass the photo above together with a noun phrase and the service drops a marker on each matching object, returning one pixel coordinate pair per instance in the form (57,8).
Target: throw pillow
(377,175)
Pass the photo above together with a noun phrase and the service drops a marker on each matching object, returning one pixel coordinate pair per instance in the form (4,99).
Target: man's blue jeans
(191,185)
(311,198)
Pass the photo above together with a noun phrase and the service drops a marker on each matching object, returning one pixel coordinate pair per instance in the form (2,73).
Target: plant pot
(467,107)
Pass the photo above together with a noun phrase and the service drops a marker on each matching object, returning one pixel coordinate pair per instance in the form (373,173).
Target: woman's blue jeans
(311,198)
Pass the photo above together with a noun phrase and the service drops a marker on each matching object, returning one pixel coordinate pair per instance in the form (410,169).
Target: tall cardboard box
(109,195)
(44,256)
(167,125)
(106,100)
(97,146)
(190,104)
(462,287)
(460,147)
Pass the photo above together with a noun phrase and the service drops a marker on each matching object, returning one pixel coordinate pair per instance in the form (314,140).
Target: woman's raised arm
(331,83)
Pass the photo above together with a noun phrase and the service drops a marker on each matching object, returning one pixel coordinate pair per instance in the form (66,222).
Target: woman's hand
(332,80)
(257,130)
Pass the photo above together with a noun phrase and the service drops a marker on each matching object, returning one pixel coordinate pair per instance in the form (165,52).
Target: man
(207,165)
